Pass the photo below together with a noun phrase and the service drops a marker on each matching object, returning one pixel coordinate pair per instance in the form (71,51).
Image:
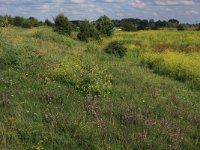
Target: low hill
(59,93)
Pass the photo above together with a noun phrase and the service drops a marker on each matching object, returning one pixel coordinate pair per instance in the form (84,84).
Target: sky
(186,11)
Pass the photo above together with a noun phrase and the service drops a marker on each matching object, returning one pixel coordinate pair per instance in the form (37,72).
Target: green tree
(62,25)
(127,26)
(18,21)
(48,23)
(87,30)
(27,23)
(105,25)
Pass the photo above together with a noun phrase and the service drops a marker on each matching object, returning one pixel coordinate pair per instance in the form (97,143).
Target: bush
(4,22)
(34,22)
(26,23)
(116,48)
(18,21)
(180,27)
(62,25)
(87,30)
(129,27)
(105,25)
(48,23)
(86,79)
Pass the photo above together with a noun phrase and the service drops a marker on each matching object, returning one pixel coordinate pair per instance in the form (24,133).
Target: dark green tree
(127,26)
(48,23)
(105,25)
(18,21)
(62,25)
(27,23)
(87,30)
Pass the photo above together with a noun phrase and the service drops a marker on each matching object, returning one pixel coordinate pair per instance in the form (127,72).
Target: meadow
(149,99)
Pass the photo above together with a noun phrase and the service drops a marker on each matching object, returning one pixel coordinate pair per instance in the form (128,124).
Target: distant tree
(105,25)
(180,27)
(62,25)
(173,22)
(127,26)
(33,21)
(27,23)
(86,31)
(18,21)
(116,23)
(48,23)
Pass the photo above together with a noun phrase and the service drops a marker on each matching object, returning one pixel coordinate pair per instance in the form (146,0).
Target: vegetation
(4,21)
(116,48)
(62,25)
(87,30)
(59,93)
(129,27)
(105,25)
(180,27)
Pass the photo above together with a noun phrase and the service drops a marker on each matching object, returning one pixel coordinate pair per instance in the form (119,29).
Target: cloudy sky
(184,10)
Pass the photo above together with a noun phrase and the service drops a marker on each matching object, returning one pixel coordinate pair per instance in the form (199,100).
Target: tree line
(101,27)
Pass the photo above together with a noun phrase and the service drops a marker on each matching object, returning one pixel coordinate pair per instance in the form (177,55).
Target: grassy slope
(143,111)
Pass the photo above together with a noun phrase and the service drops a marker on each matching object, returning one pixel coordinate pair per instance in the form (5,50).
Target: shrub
(4,22)
(129,27)
(105,25)
(48,23)
(86,79)
(26,23)
(18,21)
(87,30)
(116,48)
(34,22)
(180,27)
(62,25)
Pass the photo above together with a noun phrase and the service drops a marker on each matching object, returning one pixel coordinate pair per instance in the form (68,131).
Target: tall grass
(42,105)
(180,66)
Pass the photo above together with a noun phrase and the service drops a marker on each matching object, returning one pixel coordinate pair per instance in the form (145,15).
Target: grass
(144,109)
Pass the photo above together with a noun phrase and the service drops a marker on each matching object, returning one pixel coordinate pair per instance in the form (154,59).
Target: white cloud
(191,12)
(138,4)
(174,2)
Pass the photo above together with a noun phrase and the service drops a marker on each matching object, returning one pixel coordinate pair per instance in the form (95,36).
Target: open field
(150,99)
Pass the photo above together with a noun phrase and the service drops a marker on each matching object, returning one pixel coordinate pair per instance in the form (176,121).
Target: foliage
(62,25)
(4,22)
(86,31)
(18,21)
(86,79)
(180,27)
(105,25)
(129,27)
(41,106)
(116,48)
(26,23)
(48,23)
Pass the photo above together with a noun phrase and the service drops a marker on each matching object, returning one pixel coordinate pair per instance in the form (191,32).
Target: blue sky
(183,10)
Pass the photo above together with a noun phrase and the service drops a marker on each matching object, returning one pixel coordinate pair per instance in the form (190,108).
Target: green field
(149,99)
